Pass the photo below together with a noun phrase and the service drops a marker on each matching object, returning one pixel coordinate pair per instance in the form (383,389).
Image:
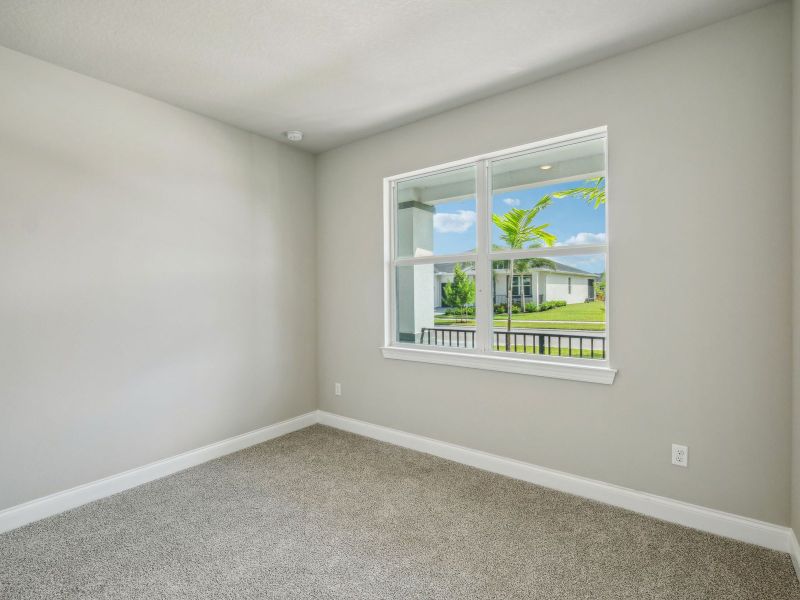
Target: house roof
(559,268)
(567,269)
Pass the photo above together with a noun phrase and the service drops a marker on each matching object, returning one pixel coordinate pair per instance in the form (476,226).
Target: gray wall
(700,194)
(150,262)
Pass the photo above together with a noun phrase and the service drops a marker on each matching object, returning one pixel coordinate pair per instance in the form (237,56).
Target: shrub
(499,309)
(459,293)
(458,312)
(515,309)
(551,304)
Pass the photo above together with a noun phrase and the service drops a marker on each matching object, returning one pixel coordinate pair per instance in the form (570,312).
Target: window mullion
(549,251)
(482,264)
(433,259)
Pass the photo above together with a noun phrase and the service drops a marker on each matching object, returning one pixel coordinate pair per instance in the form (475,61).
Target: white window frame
(483,355)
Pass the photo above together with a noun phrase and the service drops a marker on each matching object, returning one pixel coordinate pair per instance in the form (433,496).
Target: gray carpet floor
(324,514)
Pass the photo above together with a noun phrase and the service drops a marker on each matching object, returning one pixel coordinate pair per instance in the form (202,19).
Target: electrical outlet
(680,455)
(337,388)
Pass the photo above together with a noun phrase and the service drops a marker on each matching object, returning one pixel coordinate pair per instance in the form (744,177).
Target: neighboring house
(536,285)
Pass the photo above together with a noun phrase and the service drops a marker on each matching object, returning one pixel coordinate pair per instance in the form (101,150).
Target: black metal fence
(552,344)
(443,336)
(556,344)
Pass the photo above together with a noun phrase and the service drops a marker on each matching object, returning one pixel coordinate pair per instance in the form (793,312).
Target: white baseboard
(794,552)
(19,515)
(775,537)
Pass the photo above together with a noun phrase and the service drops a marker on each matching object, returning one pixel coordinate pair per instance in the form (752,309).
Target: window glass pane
(564,306)
(436,304)
(436,214)
(552,197)
(522,285)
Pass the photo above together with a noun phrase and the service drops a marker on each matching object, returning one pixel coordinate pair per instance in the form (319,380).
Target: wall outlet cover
(680,455)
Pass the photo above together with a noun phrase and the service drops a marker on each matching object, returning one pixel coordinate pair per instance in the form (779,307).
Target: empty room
(393,299)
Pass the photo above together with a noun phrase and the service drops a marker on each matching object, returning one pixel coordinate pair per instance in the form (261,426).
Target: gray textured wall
(700,246)
(149,263)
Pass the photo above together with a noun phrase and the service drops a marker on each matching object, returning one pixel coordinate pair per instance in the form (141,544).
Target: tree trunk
(509,280)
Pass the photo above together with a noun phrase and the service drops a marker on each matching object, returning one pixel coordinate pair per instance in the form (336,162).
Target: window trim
(482,356)
(523,366)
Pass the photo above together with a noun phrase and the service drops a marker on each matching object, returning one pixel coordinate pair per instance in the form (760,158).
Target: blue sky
(571,220)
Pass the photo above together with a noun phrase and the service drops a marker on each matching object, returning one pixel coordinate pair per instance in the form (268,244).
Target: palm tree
(591,194)
(518,231)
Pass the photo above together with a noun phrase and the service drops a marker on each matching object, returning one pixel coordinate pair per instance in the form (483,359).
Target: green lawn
(593,312)
(585,311)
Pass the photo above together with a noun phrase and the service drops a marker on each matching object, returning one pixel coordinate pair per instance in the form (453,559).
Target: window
(522,288)
(492,262)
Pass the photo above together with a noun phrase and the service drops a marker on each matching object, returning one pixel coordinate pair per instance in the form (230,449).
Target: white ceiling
(337,69)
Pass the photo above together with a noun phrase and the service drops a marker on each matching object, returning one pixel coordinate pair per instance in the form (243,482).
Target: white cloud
(584,238)
(457,222)
(511,201)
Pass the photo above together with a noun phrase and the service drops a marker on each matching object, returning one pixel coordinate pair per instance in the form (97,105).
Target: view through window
(506,254)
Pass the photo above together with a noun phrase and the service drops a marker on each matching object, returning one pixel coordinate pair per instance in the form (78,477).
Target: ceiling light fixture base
(293,135)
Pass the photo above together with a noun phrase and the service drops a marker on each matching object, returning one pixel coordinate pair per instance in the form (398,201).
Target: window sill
(575,372)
